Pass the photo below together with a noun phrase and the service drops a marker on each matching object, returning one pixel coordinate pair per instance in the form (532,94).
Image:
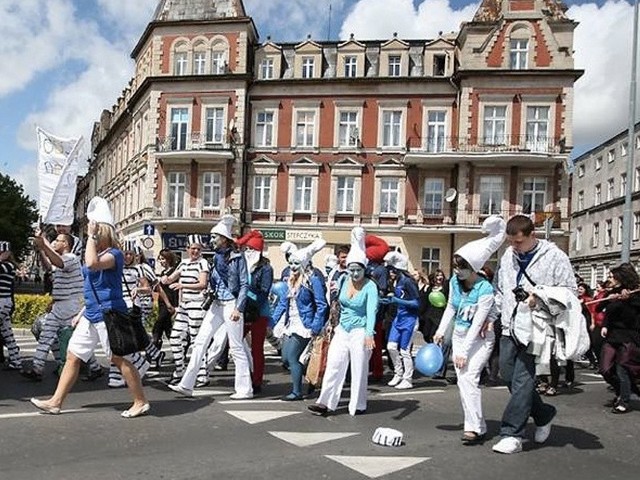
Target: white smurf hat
(357,253)
(99,211)
(304,255)
(477,252)
(387,437)
(331,261)
(287,248)
(397,260)
(225,226)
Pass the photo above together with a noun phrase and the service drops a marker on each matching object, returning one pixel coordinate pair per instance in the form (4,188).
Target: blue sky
(66,60)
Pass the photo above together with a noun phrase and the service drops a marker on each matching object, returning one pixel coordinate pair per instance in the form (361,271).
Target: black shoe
(361,412)
(93,375)
(32,375)
(452,380)
(311,389)
(257,389)
(472,438)
(318,409)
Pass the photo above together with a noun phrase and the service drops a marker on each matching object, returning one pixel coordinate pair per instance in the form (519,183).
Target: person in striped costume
(67,294)
(7,279)
(192,273)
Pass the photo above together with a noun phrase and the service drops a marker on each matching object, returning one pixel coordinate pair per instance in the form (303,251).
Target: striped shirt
(190,275)
(130,276)
(67,281)
(7,277)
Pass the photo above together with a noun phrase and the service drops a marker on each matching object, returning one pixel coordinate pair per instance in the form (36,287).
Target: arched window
(519,45)
(200,54)
(181,58)
(219,56)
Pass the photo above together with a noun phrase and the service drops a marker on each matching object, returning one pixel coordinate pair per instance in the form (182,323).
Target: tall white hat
(99,211)
(397,260)
(225,226)
(331,261)
(357,252)
(477,252)
(287,248)
(304,255)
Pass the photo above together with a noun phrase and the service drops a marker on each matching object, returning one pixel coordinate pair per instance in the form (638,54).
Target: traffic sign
(149,229)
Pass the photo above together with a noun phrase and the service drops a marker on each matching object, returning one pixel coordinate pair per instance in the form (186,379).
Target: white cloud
(603,49)
(379,19)
(291,20)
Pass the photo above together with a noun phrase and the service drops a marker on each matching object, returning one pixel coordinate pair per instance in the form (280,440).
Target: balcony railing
(195,141)
(494,144)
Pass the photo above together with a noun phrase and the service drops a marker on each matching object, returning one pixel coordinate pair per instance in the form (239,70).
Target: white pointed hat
(397,260)
(99,211)
(357,252)
(225,226)
(304,255)
(287,248)
(477,252)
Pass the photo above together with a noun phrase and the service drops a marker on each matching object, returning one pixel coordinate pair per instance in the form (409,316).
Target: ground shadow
(162,408)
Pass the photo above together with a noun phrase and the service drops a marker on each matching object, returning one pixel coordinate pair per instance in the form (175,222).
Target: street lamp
(627,213)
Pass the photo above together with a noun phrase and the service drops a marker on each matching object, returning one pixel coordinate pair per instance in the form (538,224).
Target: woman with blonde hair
(102,272)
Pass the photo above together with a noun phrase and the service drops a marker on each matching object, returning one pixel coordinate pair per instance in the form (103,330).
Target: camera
(209,297)
(520,294)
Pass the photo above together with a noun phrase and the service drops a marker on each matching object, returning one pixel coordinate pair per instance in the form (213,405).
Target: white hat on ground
(387,437)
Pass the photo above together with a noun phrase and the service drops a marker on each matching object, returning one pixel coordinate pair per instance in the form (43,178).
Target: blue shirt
(108,286)
(359,311)
(466,303)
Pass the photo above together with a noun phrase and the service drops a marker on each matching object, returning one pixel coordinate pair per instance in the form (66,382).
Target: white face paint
(356,272)
(463,273)
(252,257)
(295,266)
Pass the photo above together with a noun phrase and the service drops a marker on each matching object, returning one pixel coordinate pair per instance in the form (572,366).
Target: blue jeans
(292,347)
(518,370)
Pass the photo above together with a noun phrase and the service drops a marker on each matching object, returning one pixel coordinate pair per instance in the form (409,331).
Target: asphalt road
(213,437)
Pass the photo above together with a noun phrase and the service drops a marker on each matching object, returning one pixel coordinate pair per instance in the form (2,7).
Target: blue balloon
(279,289)
(429,359)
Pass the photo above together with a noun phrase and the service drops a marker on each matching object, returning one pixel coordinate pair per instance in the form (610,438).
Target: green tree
(17,215)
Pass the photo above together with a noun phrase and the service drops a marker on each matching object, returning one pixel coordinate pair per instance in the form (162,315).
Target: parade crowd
(347,315)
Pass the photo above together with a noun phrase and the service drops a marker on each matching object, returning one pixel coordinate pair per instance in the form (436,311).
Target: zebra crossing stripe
(376,466)
(258,416)
(307,439)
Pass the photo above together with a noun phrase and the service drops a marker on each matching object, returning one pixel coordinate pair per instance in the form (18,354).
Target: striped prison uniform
(67,296)
(7,277)
(189,314)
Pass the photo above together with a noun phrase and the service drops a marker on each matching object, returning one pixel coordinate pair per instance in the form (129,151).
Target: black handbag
(125,330)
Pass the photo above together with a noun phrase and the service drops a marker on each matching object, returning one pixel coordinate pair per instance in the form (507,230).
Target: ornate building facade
(416,140)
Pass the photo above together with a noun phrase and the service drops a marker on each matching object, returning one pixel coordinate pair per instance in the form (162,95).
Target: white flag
(58,165)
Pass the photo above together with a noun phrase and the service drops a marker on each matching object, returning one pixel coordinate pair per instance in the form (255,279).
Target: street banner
(58,165)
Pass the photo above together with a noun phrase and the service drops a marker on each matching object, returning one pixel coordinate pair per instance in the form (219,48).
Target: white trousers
(469,379)
(346,347)
(220,314)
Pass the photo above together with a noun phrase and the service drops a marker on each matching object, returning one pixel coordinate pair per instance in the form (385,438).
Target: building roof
(491,10)
(175,10)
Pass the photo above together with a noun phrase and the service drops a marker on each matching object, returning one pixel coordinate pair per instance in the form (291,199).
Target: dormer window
(308,64)
(519,54)
(350,66)
(266,69)
(395,65)
(439,65)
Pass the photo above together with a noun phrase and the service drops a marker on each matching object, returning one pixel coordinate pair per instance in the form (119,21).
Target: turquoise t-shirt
(108,286)
(359,311)
(466,303)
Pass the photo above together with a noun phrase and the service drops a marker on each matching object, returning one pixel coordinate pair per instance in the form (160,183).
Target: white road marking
(376,466)
(306,439)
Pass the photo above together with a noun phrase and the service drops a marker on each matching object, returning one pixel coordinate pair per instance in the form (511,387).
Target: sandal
(471,438)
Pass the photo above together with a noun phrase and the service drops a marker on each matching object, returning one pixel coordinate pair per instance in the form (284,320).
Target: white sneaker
(241,396)
(113,383)
(404,385)
(395,381)
(181,390)
(542,433)
(508,445)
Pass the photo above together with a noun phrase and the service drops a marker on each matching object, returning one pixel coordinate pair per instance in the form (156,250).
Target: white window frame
(222,123)
(173,183)
(623,184)
(608,233)
(537,127)
(595,236)
(611,187)
(180,63)
(262,193)
(350,66)
(492,120)
(433,194)
(211,181)
(352,131)
(310,128)
(495,204)
(348,190)
(636,226)
(308,64)
(260,137)
(303,184)
(597,195)
(267,68)
(620,225)
(436,131)
(519,53)
(578,239)
(624,148)
(611,155)
(200,62)
(534,192)
(218,62)
(580,171)
(395,68)
(598,163)
(580,201)
(395,126)
(175,144)
(388,190)
(428,260)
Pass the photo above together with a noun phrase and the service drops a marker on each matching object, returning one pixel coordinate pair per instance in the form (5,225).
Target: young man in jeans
(526,263)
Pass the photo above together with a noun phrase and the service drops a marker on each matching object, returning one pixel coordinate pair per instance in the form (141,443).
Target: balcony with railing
(507,146)
(198,146)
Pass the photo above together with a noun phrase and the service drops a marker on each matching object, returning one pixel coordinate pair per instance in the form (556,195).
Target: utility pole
(631,147)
